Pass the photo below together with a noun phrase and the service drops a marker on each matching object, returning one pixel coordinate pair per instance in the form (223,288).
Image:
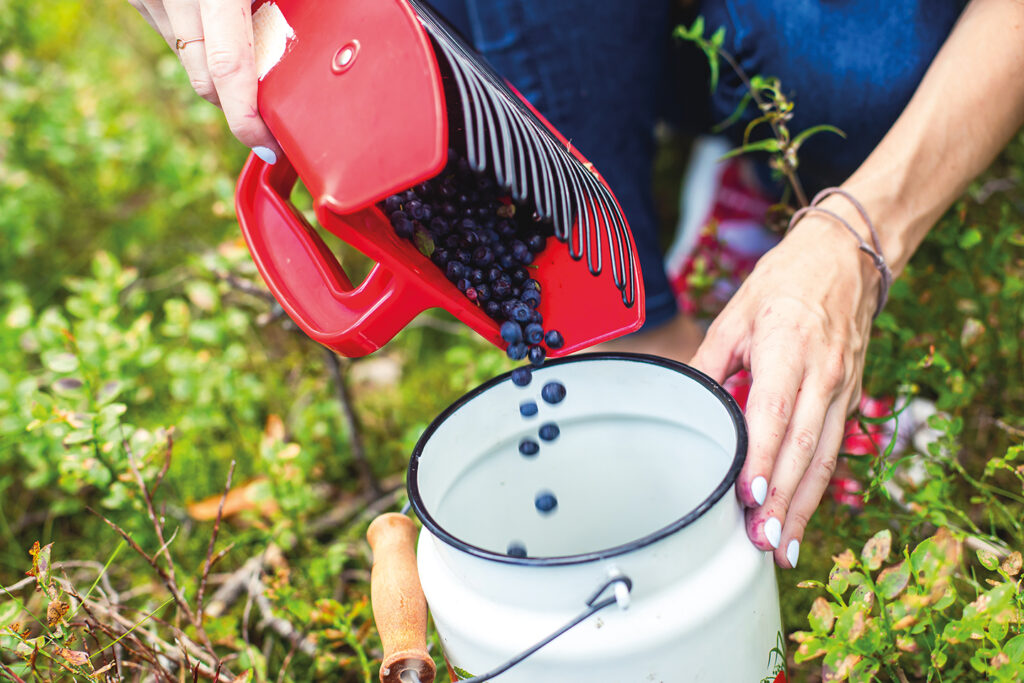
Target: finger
(187,24)
(812,487)
(153,13)
(795,455)
(777,371)
(156,10)
(720,354)
(230,59)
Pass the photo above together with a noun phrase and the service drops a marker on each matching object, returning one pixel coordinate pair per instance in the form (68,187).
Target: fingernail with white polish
(759,489)
(773,531)
(793,552)
(266,154)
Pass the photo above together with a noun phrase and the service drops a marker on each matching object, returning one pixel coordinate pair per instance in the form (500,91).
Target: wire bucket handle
(400,609)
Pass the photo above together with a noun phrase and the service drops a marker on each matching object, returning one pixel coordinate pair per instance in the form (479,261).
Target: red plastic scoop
(365,97)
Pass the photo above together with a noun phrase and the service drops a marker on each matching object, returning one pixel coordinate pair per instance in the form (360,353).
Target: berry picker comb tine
(422,157)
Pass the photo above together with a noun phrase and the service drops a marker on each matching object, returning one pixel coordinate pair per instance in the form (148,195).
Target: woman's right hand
(216,49)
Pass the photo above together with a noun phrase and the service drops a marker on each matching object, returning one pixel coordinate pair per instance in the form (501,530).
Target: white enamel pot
(633,498)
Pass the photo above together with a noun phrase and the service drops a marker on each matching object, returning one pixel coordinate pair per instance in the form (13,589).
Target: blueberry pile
(485,243)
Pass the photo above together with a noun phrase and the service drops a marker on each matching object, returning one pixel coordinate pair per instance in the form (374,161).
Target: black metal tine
(557,159)
(533,162)
(489,114)
(519,186)
(460,82)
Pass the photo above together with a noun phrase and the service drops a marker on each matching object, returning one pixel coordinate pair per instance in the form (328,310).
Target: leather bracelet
(875,254)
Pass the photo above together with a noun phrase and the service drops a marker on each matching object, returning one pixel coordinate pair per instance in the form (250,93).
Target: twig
(286,662)
(787,169)
(355,438)
(167,462)
(213,540)
(14,677)
(244,286)
(281,626)
(150,510)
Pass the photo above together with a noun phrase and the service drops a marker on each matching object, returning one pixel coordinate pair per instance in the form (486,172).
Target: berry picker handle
(399,608)
(306,278)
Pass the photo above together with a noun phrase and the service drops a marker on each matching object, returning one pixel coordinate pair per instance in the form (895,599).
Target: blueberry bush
(185,480)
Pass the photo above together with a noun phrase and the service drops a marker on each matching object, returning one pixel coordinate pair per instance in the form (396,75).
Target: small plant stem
(210,559)
(787,168)
(355,438)
(14,677)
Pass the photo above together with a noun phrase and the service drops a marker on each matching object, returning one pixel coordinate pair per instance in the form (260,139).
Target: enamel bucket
(633,496)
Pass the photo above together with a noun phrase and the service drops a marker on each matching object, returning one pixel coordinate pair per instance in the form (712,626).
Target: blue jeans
(603,72)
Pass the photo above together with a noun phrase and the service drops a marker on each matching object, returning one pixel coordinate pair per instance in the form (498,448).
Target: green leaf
(821,616)
(60,362)
(892,580)
(988,559)
(718,37)
(697,28)
(876,550)
(839,579)
(78,436)
(766,145)
(970,238)
(421,238)
(813,130)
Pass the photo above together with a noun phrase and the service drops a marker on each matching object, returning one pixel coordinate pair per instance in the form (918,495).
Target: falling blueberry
(545,502)
(529,447)
(554,339)
(537,355)
(553,392)
(521,376)
(534,333)
(517,351)
(528,408)
(548,431)
(516,549)
(511,332)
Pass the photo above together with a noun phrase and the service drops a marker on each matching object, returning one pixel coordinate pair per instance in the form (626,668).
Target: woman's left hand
(800,323)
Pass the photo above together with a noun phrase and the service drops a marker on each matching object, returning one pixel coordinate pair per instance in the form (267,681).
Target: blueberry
(536,243)
(439,225)
(506,306)
(531,284)
(521,376)
(516,549)
(516,351)
(493,273)
(545,502)
(502,287)
(493,309)
(537,355)
(483,256)
(415,209)
(404,227)
(536,317)
(440,257)
(483,292)
(392,204)
(511,332)
(528,408)
(534,333)
(531,298)
(455,271)
(521,312)
(548,431)
(506,261)
(554,341)
(553,392)
(462,256)
(519,276)
(476,276)
(463,284)
(471,240)
(529,447)
(424,189)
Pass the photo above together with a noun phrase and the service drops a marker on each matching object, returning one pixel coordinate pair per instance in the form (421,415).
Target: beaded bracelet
(875,254)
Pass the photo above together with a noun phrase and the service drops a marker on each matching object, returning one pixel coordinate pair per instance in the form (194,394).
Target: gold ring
(182,43)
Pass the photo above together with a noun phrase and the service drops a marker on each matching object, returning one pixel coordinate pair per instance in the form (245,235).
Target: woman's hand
(800,323)
(221,65)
